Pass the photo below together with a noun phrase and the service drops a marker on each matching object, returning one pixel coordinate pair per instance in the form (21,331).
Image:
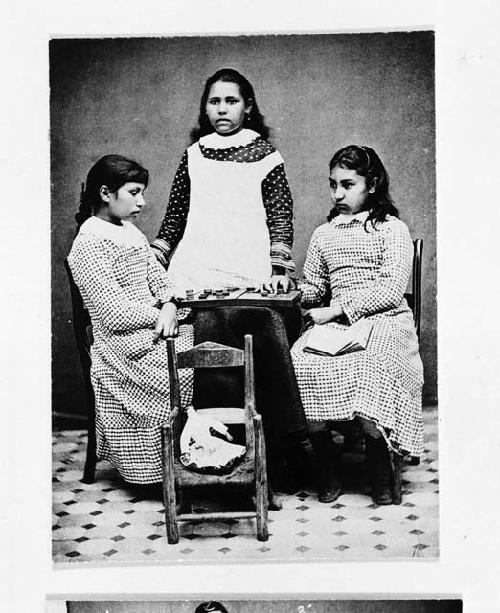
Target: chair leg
(169,498)
(261,482)
(91,455)
(170,516)
(397,469)
(89,469)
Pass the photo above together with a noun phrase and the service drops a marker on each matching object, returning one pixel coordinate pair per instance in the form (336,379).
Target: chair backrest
(214,355)
(211,355)
(81,317)
(82,329)
(415,298)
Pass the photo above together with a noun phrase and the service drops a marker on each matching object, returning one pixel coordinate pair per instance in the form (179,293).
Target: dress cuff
(307,295)
(183,313)
(350,311)
(281,256)
(161,249)
(287,264)
(164,297)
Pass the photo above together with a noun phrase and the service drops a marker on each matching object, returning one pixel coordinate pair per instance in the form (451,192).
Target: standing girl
(361,260)
(229,222)
(129,299)
(230,201)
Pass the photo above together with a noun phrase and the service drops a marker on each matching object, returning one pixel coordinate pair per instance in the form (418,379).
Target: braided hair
(254,120)
(366,162)
(113,171)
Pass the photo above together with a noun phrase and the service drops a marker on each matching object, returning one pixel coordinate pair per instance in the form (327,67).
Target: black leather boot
(380,470)
(326,460)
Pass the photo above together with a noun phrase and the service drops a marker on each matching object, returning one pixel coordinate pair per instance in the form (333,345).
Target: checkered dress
(367,271)
(122,285)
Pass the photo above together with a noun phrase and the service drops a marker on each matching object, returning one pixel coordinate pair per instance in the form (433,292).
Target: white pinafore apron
(226,241)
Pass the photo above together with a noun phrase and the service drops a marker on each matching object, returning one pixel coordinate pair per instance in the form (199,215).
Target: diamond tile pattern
(109,521)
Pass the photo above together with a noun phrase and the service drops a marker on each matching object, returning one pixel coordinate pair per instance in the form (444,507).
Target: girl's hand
(166,324)
(324,315)
(277,281)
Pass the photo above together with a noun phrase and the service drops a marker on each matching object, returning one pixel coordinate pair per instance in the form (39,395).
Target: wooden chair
(414,300)
(250,473)
(82,329)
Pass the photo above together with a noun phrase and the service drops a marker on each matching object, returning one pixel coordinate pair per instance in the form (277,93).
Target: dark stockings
(326,461)
(380,469)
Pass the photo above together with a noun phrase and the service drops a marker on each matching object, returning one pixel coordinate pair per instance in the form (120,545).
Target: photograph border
(467,111)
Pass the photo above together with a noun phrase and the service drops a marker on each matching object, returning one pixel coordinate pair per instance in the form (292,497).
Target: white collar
(96,226)
(362,216)
(240,139)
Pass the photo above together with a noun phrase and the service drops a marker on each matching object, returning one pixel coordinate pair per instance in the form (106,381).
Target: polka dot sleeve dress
(367,271)
(122,285)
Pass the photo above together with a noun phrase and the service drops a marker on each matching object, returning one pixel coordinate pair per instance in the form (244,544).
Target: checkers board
(235,296)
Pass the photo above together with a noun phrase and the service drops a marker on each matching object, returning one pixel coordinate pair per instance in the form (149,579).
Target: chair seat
(244,471)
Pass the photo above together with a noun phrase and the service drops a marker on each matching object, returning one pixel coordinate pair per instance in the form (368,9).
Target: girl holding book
(360,263)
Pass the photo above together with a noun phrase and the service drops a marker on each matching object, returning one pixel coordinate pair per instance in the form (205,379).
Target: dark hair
(366,162)
(211,606)
(113,171)
(253,120)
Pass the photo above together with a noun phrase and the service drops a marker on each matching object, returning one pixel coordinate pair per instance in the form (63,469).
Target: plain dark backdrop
(140,97)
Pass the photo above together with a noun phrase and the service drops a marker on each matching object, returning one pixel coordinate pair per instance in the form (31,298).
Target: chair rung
(217,515)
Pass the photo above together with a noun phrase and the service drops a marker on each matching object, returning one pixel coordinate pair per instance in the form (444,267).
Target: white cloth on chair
(201,451)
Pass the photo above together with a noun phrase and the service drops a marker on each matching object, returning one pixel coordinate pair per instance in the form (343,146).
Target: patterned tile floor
(111,522)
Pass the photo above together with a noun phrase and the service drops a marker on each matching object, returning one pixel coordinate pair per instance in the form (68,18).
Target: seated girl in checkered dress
(361,261)
(129,299)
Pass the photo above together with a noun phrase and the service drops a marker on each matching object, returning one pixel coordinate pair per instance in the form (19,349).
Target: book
(324,340)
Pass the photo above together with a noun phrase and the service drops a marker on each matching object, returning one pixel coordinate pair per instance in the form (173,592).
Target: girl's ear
(104,193)
(373,186)
(248,107)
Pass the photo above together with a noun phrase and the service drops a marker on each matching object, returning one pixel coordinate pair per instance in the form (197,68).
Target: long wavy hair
(113,171)
(254,120)
(366,162)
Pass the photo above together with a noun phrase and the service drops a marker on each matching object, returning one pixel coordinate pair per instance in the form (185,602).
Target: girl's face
(125,203)
(348,190)
(225,107)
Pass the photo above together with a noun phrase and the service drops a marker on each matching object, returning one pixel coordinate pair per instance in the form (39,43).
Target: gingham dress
(367,272)
(122,285)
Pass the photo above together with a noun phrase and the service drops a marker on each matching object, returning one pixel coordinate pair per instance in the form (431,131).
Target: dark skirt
(277,392)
